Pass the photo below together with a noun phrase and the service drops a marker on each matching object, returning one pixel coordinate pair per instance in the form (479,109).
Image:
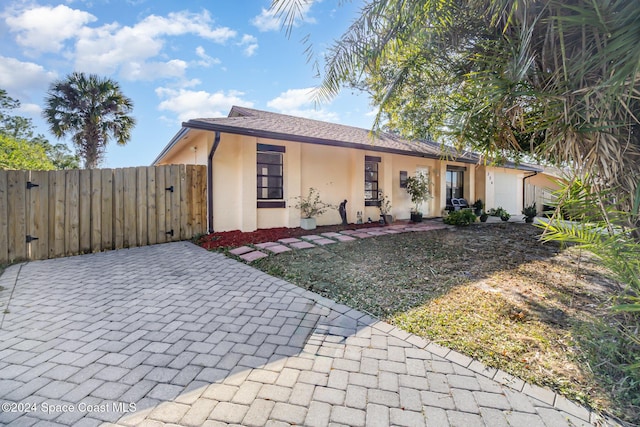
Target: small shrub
(530,211)
(499,212)
(311,206)
(462,217)
(385,203)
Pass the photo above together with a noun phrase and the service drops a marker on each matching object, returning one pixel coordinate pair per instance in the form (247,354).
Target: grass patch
(492,292)
(490,328)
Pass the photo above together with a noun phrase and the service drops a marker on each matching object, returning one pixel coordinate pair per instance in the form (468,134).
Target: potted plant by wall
(419,191)
(478,205)
(530,213)
(310,207)
(385,207)
(500,212)
(484,217)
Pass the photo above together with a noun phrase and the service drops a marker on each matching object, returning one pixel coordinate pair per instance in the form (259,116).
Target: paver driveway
(178,335)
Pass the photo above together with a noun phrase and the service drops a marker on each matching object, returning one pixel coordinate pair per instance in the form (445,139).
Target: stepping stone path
(278,249)
(250,253)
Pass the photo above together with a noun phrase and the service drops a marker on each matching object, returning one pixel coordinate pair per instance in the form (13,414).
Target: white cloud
(18,77)
(250,43)
(32,109)
(104,49)
(135,51)
(190,104)
(271,20)
(179,23)
(45,28)
(299,102)
(190,83)
(311,113)
(151,70)
(267,21)
(205,60)
(292,99)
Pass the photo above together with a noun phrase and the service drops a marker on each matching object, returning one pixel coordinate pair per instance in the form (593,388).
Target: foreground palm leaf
(591,221)
(556,79)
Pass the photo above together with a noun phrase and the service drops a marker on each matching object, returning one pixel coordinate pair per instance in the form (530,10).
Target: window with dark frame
(403,179)
(371,169)
(270,176)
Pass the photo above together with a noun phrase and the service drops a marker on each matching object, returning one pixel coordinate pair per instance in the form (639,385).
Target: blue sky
(175,60)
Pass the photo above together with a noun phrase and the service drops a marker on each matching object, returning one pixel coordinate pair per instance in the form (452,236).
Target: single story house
(259,161)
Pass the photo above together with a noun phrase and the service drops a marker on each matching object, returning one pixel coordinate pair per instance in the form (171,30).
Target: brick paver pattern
(173,334)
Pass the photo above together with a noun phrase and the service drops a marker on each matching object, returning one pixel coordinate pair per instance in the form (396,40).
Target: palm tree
(91,110)
(557,79)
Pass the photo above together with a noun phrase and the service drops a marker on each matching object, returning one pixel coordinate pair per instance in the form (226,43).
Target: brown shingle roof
(248,121)
(265,124)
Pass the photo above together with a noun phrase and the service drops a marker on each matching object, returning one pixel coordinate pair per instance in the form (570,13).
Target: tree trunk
(91,157)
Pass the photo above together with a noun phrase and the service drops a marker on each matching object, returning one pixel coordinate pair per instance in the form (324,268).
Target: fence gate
(49,214)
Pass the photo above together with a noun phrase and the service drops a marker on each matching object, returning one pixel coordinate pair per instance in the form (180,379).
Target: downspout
(216,142)
(524,188)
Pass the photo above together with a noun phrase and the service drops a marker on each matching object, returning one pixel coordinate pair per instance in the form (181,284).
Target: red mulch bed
(236,238)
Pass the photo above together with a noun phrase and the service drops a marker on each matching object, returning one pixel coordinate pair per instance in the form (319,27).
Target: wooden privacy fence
(49,214)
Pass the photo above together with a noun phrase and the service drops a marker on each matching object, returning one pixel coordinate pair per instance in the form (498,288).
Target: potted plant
(500,212)
(418,189)
(310,207)
(530,212)
(484,217)
(385,207)
(478,205)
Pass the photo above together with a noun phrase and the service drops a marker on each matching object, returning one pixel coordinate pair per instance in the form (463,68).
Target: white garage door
(506,192)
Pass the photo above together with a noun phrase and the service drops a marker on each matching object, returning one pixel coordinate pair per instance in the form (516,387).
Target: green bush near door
(461,217)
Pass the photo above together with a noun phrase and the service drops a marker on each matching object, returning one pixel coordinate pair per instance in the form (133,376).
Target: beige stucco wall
(336,172)
(545,181)
(330,171)
(229,211)
(480,173)
(400,198)
(190,151)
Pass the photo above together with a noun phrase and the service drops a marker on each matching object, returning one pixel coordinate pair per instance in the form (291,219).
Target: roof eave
(200,125)
(177,137)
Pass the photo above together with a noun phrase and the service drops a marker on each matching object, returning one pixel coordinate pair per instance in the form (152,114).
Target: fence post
(39,215)
(4,219)
(17,215)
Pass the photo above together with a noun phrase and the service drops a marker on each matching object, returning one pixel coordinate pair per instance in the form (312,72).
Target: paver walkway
(173,334)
